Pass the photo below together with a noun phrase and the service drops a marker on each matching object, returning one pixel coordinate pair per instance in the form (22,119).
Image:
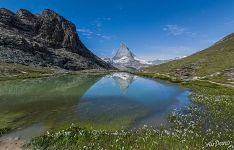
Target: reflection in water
(49,100)
(123,80)
(119,100)
(143,101)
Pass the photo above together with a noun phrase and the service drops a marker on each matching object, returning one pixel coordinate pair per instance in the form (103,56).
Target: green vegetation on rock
(11,71)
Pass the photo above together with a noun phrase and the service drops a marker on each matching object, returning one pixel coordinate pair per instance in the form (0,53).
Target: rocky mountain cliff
(47,40)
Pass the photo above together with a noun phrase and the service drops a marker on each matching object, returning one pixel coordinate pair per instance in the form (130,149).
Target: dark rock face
(47,40)
(26,17)
(229,73)
(187,71)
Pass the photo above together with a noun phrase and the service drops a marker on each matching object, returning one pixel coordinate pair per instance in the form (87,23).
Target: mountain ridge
(46,39)
(215,62)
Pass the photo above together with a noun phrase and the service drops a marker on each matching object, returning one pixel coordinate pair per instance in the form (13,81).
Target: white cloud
(89,34)
(107,19)
(99,22)
(104,37)
(176,30)
(85,32)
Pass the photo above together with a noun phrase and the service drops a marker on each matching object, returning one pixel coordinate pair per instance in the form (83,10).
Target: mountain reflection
(111,101)
(123,80)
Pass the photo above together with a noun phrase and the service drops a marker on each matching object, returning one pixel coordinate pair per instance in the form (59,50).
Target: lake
(114,101)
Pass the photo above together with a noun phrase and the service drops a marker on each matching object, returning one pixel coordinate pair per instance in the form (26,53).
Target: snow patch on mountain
(122,60)
(143,61)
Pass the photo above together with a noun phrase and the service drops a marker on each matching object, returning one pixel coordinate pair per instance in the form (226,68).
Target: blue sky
(153,29)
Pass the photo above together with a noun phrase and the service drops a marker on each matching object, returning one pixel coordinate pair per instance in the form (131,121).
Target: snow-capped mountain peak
(123,51)
(124,59)
(124,55)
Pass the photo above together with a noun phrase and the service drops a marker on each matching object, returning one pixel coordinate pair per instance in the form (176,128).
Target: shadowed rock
(47,39)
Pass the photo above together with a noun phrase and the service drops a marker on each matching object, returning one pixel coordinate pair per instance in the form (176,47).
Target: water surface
(116,101)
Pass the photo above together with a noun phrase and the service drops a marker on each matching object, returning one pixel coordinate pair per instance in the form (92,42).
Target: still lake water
(115,101)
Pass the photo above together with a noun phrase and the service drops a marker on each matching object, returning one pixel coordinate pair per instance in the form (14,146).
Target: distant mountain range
(215,62)
(125,59)
(46,39)
(49,40)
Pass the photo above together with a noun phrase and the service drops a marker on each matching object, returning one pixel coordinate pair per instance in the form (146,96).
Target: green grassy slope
(213,60)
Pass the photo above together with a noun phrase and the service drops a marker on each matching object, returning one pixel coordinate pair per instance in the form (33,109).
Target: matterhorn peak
(123,52)
(124,59)
(123,45)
